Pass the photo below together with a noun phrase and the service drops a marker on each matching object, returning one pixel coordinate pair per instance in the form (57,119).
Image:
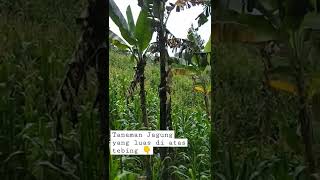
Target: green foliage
(138,35)
(207,47)
(130,19)
(36,43)
(120,21)
(241,122)
(291,25)
(187,115)
(143,31)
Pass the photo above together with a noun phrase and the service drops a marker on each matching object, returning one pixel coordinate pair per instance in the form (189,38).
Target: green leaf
(202,19)
(192,174)
(126,174)
(130,19)
(119,45)
(209,89)
(119,20)
(132,57)
(143,31)
(113,35)
(207,47)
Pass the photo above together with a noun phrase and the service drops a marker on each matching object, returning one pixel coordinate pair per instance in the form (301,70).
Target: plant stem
(162,86)
(141,67)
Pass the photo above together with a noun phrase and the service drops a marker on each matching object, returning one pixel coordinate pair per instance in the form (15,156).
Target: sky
(178,23)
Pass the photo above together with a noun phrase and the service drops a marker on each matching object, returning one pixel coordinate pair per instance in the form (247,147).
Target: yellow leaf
(199,89)
(284,86)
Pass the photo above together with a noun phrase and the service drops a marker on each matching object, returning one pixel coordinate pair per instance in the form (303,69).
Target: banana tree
(291,23)
(138,37)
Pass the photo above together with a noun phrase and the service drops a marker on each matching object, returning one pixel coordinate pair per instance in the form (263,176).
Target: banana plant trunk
(163,92)
(141,66)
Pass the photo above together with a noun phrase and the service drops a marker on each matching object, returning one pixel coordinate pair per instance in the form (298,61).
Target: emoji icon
(146,149)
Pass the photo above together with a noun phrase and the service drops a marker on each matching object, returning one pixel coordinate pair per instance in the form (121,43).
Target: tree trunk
(163,92)
(143,93)
(143,103)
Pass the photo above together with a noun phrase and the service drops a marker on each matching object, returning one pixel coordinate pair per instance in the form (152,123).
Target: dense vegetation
(264,115)
(172,113)
(188,117)
(38,39)
(266,75)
